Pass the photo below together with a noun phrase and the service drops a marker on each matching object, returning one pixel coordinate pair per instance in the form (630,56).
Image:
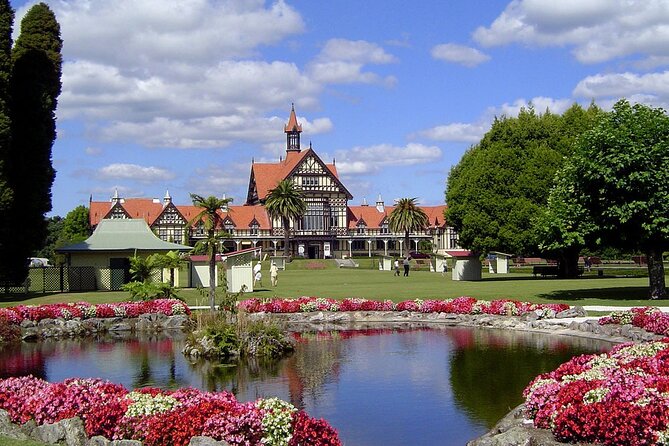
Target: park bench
(545,270)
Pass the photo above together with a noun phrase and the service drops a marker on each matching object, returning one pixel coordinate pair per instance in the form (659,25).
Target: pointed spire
(115,198)
(310,145)
(292,130)
(167,199)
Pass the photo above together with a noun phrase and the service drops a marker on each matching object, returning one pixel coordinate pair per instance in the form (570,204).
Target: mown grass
(6,441)
(323,279)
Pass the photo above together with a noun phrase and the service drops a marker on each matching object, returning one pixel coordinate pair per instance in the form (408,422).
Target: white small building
(498,262)
(239,269)
(466,266)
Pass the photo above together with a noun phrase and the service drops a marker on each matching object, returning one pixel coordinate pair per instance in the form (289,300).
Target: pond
(382,386)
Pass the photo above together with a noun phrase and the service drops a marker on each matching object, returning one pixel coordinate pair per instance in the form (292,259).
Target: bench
(545,270)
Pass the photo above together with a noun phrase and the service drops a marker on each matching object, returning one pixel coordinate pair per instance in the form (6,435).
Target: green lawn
(6,441)
(321,278)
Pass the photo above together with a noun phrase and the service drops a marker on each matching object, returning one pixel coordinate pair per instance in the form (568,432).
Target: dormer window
(362,228)
(118,212)
(198,230)
(384,228)
(229,227)
(255,227)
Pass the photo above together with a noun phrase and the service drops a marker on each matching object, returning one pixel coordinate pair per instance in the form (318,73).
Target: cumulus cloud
(363,160)
(474,131)
(460,54)
(144,174)
(456,132)
(598,30)
(623,84)
(343,61)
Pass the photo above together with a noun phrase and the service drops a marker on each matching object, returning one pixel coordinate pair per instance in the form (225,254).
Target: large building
(331,227)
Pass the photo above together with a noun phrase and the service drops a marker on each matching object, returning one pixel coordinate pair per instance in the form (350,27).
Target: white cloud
(598,30)
(624,85)
(457,132)
(460,54)
(135,172)
(473,132)
(363,160)
(229,179)
(343,61)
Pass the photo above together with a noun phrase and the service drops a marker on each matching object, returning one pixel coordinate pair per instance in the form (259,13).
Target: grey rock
(120,326)
(575,311)
(50,433)
(98,440)
(206,441)
(174,322)
(75,434)
(9,429)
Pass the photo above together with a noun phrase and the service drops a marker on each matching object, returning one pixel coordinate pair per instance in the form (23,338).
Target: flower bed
(161,418)
(651,319)
(460,305)
(84,310)
(620,397)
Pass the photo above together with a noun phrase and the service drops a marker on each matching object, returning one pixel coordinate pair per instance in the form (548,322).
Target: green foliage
(34,86)
(149,290)
(500,185)
(210,217)
(407,217)
(265,339)
(223,336)
(76,226)
(615,187)
(141,268)
(286,202)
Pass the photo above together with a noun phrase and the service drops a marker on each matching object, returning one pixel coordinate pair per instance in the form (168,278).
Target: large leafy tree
(34,89)
(501,184)
(615,187)
(407,217)
(209,215)
(285,202)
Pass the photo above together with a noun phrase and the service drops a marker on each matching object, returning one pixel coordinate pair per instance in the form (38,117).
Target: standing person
(257,274)
(396,265)
(274,273)
(405,262)
(445,269)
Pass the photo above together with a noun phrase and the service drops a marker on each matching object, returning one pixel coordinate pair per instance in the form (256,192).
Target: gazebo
(103,258)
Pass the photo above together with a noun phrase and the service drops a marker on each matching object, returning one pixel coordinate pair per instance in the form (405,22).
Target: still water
(438,386)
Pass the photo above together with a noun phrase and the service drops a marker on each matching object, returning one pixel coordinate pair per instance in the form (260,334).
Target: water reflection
(378,386)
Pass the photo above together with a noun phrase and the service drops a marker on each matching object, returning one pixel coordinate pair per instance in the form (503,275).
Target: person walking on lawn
(405,262)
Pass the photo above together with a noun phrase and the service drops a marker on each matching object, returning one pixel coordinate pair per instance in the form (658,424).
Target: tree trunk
(407,244)
(212,273)
(657,289)
(286,228)
(568,263)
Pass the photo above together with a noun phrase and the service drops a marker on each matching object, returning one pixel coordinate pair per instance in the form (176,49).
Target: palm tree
(407,217)
(286,202)
(212,220)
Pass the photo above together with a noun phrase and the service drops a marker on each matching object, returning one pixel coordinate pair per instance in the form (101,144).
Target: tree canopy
(614,189)
(407,217)
(209,215)
(285,202)
(501,184)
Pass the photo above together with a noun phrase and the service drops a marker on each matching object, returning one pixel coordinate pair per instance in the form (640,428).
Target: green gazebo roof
(123,235)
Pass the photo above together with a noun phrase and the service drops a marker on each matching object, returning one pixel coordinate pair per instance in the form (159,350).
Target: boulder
(9,429)
(575,311)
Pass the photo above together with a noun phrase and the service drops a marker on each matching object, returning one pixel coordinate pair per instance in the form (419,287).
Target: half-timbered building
(330,227)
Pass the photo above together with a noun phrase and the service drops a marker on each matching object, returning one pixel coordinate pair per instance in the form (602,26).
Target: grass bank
(322,279)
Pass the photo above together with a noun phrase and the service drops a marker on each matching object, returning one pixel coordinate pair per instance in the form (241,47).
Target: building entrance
(314,252)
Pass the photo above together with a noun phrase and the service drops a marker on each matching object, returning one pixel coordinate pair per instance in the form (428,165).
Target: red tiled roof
(268,175)
(145,208)
(369,214)
(292,123)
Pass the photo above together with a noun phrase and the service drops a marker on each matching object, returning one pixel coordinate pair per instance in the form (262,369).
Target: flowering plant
(620,397)
(649,318)
(460,305)
(158,417)
(84,310)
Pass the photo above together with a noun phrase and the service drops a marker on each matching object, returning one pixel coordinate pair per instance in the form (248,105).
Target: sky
(182,95)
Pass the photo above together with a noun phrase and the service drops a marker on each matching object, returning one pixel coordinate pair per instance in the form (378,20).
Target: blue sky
(181,95)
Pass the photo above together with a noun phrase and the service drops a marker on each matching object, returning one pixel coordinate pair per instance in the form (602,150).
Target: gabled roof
(147,209)
(369,214)
(268,175)
(435,215)
(123,235)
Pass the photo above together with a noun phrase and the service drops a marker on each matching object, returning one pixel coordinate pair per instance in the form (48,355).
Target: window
(362,228)
(254,229)
(317,215)
(309,181)
(384,228)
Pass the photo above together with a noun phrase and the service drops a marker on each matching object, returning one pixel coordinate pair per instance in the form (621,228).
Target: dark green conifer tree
(34,89)
(6,194)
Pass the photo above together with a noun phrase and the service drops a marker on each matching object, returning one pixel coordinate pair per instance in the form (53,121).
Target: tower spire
(292,130)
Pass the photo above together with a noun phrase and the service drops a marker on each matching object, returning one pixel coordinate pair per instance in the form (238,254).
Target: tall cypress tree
(34,89)
(6,195)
